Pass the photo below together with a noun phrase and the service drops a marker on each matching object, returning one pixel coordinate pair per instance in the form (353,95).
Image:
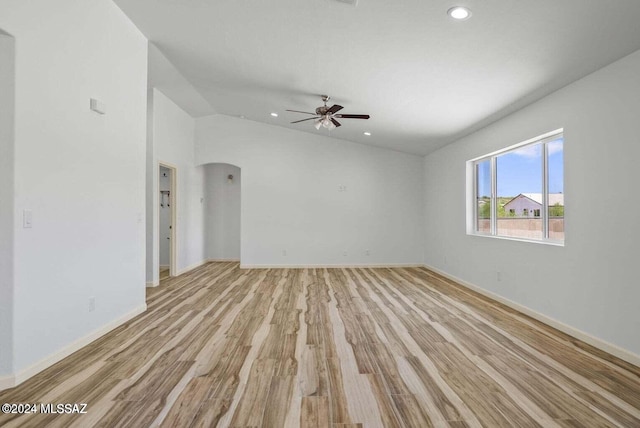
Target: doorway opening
(167,221)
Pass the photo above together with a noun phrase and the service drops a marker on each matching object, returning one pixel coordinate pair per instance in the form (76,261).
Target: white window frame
(472,187)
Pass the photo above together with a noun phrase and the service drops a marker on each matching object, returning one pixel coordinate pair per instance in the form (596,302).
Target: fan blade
(335,122)
(334,109)
(352,116)
(306,119)
(298,111)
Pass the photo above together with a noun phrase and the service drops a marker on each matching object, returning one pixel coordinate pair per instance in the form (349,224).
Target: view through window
(519,192)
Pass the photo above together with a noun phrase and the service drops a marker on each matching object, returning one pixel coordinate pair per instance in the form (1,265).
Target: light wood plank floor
(222,346)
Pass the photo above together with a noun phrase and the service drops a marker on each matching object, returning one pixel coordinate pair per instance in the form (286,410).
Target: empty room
(322,213)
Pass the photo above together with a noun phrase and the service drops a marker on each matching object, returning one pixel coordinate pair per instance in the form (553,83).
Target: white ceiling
(164,75)
(425,79)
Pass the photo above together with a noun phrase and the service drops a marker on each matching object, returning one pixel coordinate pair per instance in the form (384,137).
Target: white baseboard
(189,268)
(596,342)
(329,266)
(163,266)
(223,260)
(7,382)
(181,271)
(15,380)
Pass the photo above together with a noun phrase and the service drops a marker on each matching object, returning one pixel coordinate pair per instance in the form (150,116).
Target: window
(518,192)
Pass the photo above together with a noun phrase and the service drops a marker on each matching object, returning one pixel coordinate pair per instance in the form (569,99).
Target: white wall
(7,76)
(151,200)
(172,144)
(590,284)
(223,212)
(81,173)
(291,200)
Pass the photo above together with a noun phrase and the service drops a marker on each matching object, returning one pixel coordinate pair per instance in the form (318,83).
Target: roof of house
(554,198)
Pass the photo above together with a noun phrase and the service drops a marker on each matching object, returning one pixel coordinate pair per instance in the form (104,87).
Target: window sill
(509,238)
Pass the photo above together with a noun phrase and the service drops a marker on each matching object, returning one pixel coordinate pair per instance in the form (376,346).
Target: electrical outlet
(284,252)
(367,252)
(445,260)
(499,276)
(92,304)
(344,253)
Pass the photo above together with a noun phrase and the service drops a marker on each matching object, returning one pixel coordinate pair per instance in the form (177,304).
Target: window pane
(519,180)
(483,196)
(555,150)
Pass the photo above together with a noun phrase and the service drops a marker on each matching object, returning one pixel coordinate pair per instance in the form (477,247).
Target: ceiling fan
(326,116)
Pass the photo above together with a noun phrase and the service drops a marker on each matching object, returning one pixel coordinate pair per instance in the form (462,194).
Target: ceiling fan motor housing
(321,111)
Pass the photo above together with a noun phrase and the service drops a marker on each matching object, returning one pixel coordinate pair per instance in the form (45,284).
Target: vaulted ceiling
(425,79)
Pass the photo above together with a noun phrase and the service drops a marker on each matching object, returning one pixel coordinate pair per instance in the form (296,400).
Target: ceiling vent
(351,2)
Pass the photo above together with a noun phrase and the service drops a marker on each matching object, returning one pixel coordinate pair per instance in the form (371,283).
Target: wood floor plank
(315,412)
(362,347)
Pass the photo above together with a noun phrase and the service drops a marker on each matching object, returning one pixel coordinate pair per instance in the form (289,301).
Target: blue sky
(521,171)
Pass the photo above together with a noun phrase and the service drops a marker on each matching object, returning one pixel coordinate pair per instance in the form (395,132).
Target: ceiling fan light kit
(326,123)
(326,116)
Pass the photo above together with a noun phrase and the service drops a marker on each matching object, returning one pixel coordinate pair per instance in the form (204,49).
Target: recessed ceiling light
(367,133)
(459,12)
(274,114)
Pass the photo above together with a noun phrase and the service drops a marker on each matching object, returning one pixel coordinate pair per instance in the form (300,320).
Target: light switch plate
(27,219)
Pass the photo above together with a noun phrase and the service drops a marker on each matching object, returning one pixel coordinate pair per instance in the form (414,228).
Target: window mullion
(545,191)
(494,197)
(476,180)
